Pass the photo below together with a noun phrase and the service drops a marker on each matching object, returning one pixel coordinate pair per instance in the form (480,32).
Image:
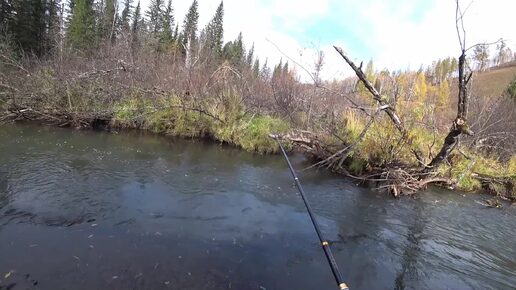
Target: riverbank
(171,116)
(340,126)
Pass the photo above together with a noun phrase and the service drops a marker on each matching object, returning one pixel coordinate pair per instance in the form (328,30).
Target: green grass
(172,117)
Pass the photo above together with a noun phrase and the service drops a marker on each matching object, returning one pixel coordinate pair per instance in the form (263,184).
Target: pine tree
(53,25)
(167,20)
(81,34)
(126,15)
(29,25)
(265,72)
(69,13)
(276,73)
(109,20)
(190,26)
(285,70)
(175,36)
(239,49)
(215,31)
(135,26)
(154,14)
(256,67)
(250,56)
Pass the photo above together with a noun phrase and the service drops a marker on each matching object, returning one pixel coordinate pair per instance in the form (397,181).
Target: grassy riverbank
(170,115)
(226,119)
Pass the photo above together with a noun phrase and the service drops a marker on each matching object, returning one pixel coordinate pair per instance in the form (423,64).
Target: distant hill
(494,81)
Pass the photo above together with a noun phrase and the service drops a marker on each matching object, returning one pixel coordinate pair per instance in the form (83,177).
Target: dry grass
(494,82)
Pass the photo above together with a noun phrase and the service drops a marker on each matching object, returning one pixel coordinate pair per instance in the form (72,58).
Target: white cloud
(394,36)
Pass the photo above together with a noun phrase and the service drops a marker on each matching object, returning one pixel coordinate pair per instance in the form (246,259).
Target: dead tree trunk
(460,124)
(384,106)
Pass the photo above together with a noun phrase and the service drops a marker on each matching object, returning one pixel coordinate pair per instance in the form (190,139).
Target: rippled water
(90,210)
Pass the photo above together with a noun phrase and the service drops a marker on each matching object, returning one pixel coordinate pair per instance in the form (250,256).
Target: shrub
(511,89)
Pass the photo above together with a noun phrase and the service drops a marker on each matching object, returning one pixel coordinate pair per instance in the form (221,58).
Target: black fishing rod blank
(324,243)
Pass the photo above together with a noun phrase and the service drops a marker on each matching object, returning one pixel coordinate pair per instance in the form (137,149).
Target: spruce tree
(53,25)
(167,20)
(249,58)
(239,50)
(285,70)
(215,31)
(69,13)
(126,15)
(265,72)
(109,20)
(29,25)
(135,26)
(175,36)
(190,26)
(154,15)
(81,34)
(256,68)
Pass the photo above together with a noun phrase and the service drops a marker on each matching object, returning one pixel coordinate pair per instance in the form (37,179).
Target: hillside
(494,81)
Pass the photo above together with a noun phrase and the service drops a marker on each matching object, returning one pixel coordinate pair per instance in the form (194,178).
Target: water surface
(92,210)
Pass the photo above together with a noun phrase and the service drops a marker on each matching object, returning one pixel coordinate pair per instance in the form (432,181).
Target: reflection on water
(90,210)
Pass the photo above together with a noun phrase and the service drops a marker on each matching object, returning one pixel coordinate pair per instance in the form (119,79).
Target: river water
(93,210)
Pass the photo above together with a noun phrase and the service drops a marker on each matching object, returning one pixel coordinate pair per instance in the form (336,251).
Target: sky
(395,34)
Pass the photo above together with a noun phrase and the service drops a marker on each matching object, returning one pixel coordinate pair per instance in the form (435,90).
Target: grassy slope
(493,82)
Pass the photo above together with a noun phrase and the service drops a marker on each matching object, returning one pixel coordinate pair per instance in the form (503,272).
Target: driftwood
(60,118)
(503,187)
(121,66)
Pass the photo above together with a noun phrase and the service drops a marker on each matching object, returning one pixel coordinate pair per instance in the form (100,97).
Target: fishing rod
(324,243)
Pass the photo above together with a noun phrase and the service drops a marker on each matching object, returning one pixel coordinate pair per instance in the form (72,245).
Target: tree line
(44,28)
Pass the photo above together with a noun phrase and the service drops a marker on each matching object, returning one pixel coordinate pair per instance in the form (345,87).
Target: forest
(116,65)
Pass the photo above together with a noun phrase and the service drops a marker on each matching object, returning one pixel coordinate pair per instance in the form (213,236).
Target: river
(97,210)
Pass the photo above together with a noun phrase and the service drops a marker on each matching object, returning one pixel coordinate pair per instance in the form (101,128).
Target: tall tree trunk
(460,125)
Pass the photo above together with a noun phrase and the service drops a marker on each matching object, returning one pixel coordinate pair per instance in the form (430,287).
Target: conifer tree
(53,32)
(126,15)
(276,73)
(250,56)
(167,20)
(29,25)
(265,72)
(215,31)
(81,34)
(285,70)
(135,26)
(109,20)
(256,67)
(69,13)
(175,36)
(190,26)
(154,15)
